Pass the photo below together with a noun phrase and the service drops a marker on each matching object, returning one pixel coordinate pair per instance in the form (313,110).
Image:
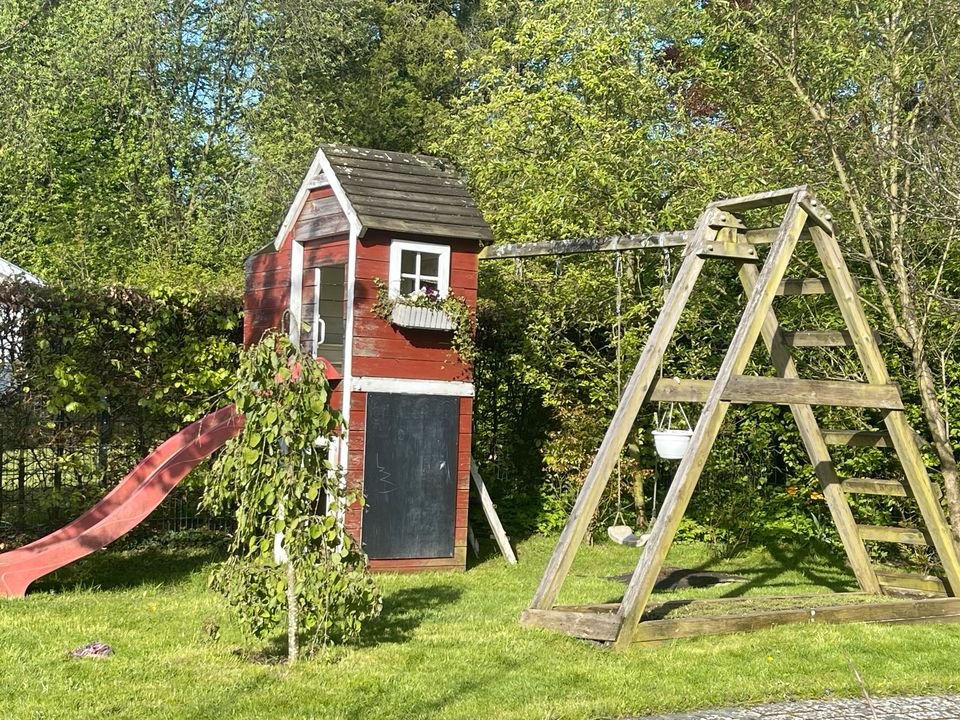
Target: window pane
(408,261)
(407,285)
(429,264)
(426,283)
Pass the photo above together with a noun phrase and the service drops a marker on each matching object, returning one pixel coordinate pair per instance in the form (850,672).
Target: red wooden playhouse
(407,220)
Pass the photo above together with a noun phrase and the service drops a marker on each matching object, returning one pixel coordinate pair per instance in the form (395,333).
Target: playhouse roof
(398,192)
(9,270)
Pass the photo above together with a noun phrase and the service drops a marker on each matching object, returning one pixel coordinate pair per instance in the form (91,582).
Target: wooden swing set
(720,234)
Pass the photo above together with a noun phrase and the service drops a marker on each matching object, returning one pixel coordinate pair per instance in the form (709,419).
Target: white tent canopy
(9,270)
(9,346)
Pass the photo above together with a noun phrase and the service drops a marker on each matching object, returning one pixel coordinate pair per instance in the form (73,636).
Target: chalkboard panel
(410,475)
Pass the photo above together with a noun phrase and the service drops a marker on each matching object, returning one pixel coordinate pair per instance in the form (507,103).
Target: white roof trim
(355,225)
(298,202)
(406,386)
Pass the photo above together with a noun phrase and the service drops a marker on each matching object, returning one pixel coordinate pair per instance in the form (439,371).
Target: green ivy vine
(456,308)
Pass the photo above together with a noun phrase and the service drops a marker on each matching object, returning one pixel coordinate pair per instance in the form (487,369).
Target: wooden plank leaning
(623,419)
(711,417)
(901,434)
(490,511)
(817,451)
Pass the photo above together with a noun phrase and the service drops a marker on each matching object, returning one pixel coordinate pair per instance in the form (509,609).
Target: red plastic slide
(124,507)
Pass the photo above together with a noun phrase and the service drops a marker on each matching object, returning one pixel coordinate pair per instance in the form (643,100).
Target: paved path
(894,708)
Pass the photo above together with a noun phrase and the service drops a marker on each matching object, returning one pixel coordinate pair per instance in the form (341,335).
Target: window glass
(429,264)
(408,262)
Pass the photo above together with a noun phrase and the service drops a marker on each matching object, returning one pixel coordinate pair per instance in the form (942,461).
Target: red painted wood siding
(266,292)
(380,349)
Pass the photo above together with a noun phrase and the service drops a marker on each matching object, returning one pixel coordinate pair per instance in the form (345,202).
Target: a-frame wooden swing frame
(721,234)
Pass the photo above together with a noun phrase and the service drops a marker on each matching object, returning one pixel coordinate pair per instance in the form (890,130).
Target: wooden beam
(761,200)
(912,583)
(818,215)
(587,625)
(744,252)
(857,438)
(817,450)
(818,338)
(901,434)
(804,286)
(490,511)
(892,612)
(746,389)
(711,418)
(883,486)
(622,423)
(612,243)
(886,533)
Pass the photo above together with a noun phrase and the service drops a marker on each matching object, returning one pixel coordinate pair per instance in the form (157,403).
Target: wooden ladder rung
(744,252)
(804,286)
(885,533)
(807,286)
(911,583)
(746,389)
(818,338)
(857,438)
(883,486)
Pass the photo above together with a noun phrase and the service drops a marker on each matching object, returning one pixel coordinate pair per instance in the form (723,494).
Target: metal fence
(47,483)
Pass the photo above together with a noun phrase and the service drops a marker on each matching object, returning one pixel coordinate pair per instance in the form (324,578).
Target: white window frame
(396,251)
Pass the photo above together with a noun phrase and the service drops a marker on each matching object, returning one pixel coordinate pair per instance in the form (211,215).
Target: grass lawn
(447,646)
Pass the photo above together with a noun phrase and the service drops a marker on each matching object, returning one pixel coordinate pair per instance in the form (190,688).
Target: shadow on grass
(405,610)
(816,562)
(118,570)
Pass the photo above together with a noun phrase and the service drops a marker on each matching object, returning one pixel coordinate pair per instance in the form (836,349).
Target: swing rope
(618,532)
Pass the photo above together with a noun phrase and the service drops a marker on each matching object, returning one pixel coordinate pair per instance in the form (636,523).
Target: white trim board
(293,212)
(406,386)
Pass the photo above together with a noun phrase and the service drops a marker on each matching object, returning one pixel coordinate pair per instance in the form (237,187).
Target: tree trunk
(941,440)
(293,615)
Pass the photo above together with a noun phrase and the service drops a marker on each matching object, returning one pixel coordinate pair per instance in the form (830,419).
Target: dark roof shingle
(402,192)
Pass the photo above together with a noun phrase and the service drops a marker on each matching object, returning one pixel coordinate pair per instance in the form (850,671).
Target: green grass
(447,646)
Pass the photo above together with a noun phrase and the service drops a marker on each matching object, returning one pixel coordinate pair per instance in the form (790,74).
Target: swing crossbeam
(612,243)
(633,618)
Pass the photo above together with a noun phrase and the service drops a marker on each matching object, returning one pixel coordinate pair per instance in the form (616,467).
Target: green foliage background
(158,143)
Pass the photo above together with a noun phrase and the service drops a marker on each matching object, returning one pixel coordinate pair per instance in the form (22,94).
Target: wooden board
(928,584)
(804,286)
(884,486)
(857,438)
(490,511)
(884,533)
(586,625)
(818,338)
(906,611)
(612,243)
(746,389)
(730,251)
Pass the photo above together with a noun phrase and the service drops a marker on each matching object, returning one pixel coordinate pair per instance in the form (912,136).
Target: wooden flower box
(423,318)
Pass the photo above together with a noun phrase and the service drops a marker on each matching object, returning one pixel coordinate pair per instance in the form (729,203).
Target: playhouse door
(410,475)
(324,307)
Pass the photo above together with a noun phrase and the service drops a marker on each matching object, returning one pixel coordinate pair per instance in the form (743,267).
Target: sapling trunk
(293,619)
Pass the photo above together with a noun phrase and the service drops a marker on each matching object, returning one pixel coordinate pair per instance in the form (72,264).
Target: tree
(291,562)
(871,85)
